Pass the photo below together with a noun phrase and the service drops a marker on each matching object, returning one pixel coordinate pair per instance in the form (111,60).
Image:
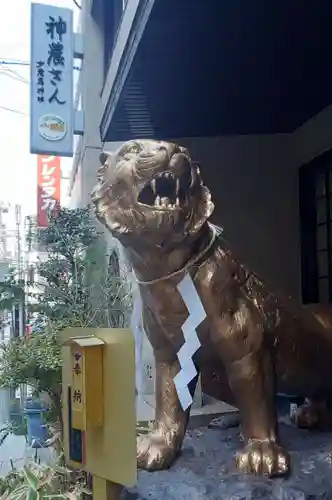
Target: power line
(4,108)
(13,76)
(77,4)
(4,73)
(18,75)
(24,63)
(14,62)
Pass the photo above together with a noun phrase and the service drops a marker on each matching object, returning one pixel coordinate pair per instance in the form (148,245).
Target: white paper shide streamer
(191,345)
(138,332)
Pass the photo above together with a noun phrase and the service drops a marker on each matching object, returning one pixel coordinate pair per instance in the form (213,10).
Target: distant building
(5,315)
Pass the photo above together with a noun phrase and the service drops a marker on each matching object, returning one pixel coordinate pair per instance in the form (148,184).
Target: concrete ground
(205,470)
(15,452)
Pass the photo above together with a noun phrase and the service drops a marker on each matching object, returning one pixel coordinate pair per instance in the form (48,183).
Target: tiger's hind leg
(315,414)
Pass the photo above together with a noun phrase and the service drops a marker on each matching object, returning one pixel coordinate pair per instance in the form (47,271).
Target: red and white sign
(48,195)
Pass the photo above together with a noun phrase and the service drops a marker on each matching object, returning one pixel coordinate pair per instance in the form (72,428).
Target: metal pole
(20,273)
(105,490)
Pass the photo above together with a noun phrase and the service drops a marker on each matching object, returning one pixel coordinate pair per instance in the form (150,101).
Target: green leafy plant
(11,292)
(37,482)
(10,482)
(71,287)
(68,288)
(35,361)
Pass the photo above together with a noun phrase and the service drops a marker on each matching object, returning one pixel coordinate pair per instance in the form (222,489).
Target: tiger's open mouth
(167,191)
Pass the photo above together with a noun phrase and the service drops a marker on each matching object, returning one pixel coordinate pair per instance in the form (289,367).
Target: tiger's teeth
(192,181)
(153,185)
(157,201)
(164,201)
(177,202)
(177,186)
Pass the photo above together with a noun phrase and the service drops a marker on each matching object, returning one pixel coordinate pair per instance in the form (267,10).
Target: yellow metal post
(105,490)
(99,410)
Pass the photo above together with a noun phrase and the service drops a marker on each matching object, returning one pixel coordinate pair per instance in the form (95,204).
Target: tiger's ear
(104,159)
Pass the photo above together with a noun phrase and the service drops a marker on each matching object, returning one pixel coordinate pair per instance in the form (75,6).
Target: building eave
(133,23)
(221,69)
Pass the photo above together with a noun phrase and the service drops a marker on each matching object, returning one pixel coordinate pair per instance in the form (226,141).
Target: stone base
(145,408)
(206,471)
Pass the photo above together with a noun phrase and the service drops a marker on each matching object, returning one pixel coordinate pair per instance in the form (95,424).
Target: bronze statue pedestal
(205,470)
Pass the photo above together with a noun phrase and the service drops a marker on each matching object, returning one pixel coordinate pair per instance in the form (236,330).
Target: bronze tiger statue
(151,197)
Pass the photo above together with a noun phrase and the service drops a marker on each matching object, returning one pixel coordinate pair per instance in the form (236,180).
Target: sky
(18,182)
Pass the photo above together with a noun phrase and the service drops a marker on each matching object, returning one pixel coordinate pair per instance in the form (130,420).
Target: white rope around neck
(183,269)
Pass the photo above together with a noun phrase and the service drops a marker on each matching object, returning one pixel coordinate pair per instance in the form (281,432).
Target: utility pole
(3,238)
(21,281)
(5,392)
(20,270)
(3,259)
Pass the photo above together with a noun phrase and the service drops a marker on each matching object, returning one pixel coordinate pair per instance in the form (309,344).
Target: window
(323,205)
(316,229)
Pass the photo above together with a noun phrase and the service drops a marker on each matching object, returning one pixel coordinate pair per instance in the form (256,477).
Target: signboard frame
(51,75)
